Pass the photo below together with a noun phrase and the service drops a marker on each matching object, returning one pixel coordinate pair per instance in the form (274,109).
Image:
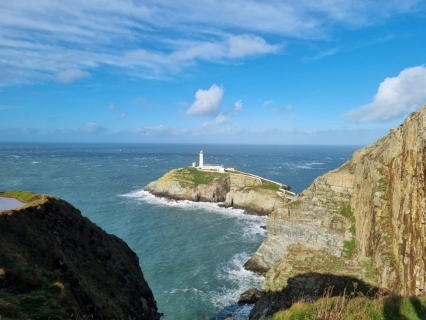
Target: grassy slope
(54,263)
(194,177)
(356,307)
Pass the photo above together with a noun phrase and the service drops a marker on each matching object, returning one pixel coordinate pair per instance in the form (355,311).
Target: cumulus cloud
(395,97)
(71,75)
(93,128)
(207,102)
(224,118)
(238,106)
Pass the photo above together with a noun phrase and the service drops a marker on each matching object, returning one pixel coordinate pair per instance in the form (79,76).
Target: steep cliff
(239,190)
(56,264)
(365,219)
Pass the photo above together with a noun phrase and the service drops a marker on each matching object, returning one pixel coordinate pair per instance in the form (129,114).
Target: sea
(191,254)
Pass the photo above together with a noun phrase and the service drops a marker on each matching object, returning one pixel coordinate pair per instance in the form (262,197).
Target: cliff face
(255,195)
(390,206)
(56,264)
(315,219)
(366,219)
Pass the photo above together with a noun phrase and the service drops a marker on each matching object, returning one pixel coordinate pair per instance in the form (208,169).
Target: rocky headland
(57,264)
(232,189)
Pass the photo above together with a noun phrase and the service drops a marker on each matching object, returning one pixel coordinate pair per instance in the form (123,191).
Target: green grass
(23,196)
(348,248)
(354,306)
(197,177)
(346,211)
(35,293)
(270,185)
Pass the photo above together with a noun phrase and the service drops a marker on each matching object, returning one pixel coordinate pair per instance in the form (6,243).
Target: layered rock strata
(366,219)
(56,264)
(314,218)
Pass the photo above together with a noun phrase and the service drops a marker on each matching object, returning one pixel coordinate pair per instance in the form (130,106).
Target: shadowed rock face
(54,263)
(374,203)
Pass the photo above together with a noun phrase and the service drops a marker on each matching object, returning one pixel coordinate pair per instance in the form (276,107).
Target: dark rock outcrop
(250,296)
(56,264)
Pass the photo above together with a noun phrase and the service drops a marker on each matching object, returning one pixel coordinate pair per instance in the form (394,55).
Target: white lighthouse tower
(201,159)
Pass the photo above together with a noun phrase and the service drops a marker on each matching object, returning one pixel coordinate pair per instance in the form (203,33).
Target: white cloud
(93,128)
(247,45)
(153,38)
(71,75)
(267,103)
(238,106)
(122,116)
(112,107)
(395,97)
(160,130)
(224,118)
(232,47)
(207,102)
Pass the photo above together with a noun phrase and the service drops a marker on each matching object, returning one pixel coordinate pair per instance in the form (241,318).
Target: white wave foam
(240,278)
(193,290)
(314,163)
(35,162)
(303,167)
(211,207)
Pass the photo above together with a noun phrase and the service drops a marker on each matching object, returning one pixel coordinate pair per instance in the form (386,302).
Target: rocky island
(57,264)
(240,190)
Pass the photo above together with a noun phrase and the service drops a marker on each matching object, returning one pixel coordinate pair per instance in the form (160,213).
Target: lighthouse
(201,164)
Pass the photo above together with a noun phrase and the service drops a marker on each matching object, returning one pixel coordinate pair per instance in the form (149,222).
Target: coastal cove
(173,240)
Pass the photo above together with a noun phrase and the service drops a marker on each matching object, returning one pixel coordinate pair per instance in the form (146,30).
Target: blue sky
(241,71)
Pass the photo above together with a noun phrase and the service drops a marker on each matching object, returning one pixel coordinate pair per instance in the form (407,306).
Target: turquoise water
(191,254)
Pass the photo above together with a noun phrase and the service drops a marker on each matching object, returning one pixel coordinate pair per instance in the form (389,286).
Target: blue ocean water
(191,254)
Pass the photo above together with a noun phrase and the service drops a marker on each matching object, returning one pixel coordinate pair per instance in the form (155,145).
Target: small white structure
(214,167)
(210,167)
(201,165)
